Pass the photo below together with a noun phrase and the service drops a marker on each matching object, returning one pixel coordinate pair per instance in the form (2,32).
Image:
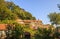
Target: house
(34,24)
(3,31)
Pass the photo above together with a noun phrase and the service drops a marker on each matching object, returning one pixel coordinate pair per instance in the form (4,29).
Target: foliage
(14,31)
(5,13)
(54,18)
(18,31)
(58,5)
(10,11)
(44,34)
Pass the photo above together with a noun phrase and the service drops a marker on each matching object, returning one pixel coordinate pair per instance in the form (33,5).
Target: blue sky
(39,8)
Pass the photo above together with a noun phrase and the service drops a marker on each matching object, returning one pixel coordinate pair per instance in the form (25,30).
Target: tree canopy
(54,18)
(10,11)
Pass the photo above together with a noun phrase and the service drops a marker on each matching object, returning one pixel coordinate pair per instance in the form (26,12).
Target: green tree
(5,13)
(54,18)
(9,31)
(58,5)
(22,14)
(18,31)
(10,11)
(44,34)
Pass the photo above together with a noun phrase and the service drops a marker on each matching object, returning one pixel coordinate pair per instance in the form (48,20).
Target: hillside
(10,11)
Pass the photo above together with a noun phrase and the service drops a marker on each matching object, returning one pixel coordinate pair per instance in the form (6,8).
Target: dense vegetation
(54,18)
(10,11)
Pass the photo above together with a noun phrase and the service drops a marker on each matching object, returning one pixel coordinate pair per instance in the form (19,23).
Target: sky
(39,8)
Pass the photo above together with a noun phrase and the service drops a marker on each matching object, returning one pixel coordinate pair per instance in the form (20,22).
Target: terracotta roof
(2,26)
(28,21)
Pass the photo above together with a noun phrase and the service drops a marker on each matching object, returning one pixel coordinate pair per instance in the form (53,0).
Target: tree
(44,33)
(21,13)
(58,5)
(5,13)
(54,18)
(17,31)
(9,31)
(10,11)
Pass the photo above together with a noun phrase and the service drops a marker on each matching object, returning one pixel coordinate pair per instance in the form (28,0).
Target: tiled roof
(28,21)
(2,26)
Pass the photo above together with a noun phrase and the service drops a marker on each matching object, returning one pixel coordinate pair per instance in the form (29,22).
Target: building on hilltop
(34,24)
(31,23)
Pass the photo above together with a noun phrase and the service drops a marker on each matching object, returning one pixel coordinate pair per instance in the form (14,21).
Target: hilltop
(10,11)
